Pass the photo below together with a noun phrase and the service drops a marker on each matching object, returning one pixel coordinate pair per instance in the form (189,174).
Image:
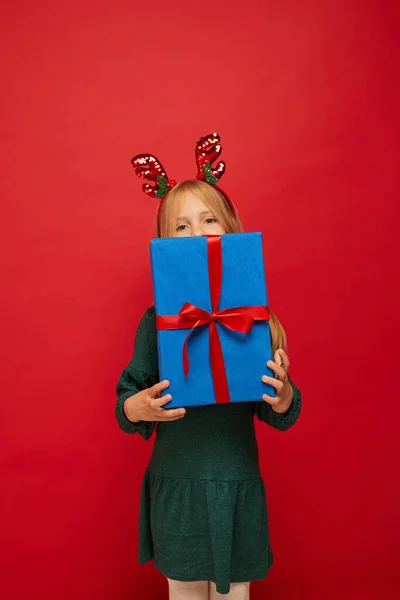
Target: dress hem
(221,589)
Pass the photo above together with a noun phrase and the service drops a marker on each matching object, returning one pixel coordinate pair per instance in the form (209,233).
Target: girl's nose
(197,231)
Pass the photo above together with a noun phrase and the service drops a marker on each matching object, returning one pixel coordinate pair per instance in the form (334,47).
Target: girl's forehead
(191,204)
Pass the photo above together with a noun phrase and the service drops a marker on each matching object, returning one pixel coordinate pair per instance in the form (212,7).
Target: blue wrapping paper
(180,274)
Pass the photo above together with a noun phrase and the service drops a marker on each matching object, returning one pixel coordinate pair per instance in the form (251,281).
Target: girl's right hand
(147,405)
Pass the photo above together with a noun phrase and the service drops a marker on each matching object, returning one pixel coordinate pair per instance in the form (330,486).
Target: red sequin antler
(208,149)
(149,167)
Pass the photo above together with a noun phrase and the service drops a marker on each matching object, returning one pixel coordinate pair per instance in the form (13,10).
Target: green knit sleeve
(141,373)
(264,412)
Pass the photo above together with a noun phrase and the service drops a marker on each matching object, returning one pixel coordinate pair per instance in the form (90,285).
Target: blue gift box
(180,275)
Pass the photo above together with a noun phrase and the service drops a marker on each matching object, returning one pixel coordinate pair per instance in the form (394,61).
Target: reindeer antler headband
(208,150)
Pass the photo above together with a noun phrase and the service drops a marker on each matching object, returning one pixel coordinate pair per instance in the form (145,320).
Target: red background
(305,97)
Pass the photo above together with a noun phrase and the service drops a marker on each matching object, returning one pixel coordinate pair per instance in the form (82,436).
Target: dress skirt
(202,530)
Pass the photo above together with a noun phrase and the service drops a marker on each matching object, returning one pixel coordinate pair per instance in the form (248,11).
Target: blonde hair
(217,204)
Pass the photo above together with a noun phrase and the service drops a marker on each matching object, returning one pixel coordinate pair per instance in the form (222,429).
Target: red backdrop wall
(305,97)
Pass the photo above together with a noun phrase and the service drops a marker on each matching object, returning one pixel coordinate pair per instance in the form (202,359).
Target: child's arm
(282,421)
(282,411)
(139,405)
(141,373)
(130,383)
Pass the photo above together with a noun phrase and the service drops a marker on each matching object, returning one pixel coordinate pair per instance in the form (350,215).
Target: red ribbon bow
(191,317)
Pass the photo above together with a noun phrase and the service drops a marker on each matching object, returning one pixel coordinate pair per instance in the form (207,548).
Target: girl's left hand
(284,391)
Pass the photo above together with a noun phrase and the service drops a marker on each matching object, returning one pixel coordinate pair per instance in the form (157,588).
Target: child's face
(196,219)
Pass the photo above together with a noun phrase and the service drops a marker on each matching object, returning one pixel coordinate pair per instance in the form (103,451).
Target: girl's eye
(180,227)
(211,220)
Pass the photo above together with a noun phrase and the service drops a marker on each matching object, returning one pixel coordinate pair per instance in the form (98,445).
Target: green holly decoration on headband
(163,187)
(210,178)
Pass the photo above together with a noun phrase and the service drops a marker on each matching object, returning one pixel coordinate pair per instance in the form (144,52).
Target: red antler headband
(149,168)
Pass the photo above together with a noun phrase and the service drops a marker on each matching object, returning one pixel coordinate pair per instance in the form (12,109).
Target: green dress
(203,509)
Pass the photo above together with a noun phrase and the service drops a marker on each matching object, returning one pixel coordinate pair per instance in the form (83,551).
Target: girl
(203,516)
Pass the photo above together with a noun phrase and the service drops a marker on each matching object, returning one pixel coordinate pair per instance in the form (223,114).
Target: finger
(170,414)
(279,371)
(276,383)
(158,388)
(278,358)
(157,403)
(270,399)
(285,359)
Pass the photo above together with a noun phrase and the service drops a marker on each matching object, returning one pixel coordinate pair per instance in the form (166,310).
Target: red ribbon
(191,317)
